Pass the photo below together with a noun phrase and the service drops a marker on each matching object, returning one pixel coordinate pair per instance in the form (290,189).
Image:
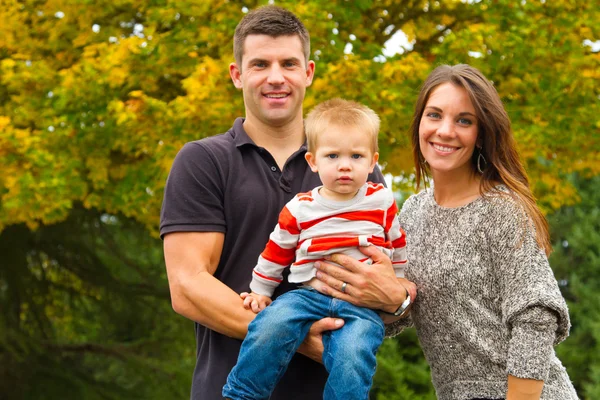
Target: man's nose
(275,75)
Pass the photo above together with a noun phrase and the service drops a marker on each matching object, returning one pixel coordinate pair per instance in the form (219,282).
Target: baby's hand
(255,302)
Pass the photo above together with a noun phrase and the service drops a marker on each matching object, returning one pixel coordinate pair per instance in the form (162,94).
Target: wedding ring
(343,289)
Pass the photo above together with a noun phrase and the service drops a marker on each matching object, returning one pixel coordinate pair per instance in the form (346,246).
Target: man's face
(274,77)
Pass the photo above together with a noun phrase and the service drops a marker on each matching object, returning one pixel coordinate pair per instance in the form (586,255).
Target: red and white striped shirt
(311,227)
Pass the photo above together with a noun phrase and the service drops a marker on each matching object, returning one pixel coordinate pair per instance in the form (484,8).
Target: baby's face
(343,158)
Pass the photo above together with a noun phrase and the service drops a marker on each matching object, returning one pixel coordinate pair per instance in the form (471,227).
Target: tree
(402,372)
(576,262)
(97,97)
(86,314)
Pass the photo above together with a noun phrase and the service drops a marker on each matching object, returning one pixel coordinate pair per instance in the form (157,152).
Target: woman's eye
(465,121)
(434,115)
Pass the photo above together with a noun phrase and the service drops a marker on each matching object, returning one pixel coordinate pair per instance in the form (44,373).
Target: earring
(481,159)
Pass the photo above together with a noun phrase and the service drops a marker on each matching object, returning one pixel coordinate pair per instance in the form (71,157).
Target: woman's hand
(373,286)
(524,389)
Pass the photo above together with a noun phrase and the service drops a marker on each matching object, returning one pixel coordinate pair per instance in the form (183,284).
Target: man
(223,197)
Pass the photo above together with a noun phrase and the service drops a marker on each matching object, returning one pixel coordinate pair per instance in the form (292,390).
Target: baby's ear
(374,162)
(310,159)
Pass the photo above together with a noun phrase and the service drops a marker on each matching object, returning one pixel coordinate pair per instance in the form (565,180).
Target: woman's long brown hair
(495,137)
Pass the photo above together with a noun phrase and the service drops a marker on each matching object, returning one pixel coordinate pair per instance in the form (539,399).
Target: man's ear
(374,162)
(310,73)
(236,75)
(310,159)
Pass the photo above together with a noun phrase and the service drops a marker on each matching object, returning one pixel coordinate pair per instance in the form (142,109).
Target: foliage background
(96,98)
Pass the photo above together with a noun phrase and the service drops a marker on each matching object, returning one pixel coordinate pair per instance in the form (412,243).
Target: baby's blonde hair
(341,113)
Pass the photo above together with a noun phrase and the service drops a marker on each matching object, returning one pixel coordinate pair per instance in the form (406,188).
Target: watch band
(403,307)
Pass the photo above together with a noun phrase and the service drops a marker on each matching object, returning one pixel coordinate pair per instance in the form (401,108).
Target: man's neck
(280,141)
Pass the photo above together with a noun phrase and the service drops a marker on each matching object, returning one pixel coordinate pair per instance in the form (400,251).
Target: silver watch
(400,311)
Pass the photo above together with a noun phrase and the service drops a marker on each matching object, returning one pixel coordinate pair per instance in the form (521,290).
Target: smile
(444,149)
(276,95)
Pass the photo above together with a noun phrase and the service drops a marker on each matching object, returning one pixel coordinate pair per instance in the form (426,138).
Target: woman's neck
(455,191)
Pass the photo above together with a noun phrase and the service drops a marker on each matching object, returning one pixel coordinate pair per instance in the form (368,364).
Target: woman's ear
(479,142)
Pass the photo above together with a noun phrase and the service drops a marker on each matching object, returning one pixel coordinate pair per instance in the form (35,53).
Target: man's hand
(312,346)
(373,286)
(255,302)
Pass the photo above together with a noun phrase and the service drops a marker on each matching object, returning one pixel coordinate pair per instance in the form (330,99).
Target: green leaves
(576,262)
(96,98)
(103,95)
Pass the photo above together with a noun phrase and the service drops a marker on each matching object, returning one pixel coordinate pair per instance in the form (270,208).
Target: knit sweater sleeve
(404,218)
(396,236)
(533,308)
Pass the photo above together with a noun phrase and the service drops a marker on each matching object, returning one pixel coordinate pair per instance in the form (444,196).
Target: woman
(489,309)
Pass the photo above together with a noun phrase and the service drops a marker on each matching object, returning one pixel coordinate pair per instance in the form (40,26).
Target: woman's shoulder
(412,208)
(505,215)
(503,203)
(416,200)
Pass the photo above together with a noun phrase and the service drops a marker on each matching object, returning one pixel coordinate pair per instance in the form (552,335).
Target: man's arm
(375,287)
(192,259)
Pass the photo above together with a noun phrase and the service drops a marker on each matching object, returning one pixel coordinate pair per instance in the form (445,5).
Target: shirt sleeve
(397,237)
(193,198)
(278,254)
(376,176)
(533,308)
(530,346)
(395,328)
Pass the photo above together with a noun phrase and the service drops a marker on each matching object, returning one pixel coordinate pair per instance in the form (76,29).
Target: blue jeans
(277,331)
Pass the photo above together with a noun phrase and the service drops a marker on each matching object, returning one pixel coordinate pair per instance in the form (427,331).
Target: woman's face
(448,131)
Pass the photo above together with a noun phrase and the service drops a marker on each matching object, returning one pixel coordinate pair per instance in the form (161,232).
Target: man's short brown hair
(271,21)
(340,112)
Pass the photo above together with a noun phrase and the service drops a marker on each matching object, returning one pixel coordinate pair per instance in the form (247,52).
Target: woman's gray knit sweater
(488,304)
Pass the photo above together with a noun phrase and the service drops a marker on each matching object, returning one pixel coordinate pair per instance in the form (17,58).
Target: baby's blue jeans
(277,331)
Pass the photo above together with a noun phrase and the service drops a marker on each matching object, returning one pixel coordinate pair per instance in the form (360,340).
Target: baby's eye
(356,156)
(332,156)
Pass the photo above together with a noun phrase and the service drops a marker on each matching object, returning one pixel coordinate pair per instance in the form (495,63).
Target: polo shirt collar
(241,138)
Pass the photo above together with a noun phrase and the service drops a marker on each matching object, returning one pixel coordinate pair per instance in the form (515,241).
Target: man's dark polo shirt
(226,183)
